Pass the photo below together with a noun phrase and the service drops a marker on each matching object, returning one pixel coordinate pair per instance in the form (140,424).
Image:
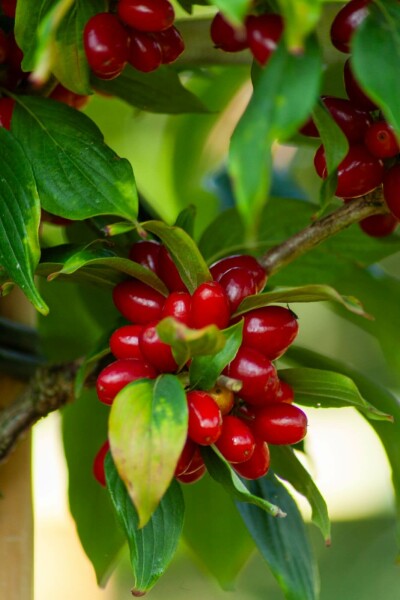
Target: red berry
(270,330)
(257,374)
(223,397)
(146,253)
(236,442)
(169,273)
(257,466)
(138,302)
(346,22)
(210,306)
(178,305)
(391,190)
(205,418)
(106,44)
(156,352)
(280,423)
(192,477)
(238,283)
(146,15)
(353,122)
(186,457)
(4,47)
(124,342)
(54,219)
(379,225)
(8,7)
(6,112)
(381,141)
(244,261)
(285,393)
(144,52)
(61,94)
(196,463)
(354,91)
(263,35)
(98,463)
(171,44)
(226,36)
(358,173)
(118,374)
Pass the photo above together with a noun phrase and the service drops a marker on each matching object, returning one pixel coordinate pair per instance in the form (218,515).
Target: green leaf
(204,370)
(84,424)
(29,15)
(19,218)
(153,546)
(378,38)
(77,175)
(284,94)
(325,389)
(223,473)
(160,91)
(91,360)
(186,218)
(288,467)
(147,431)
(235,10)
(301,17)
(184,251)
(305,293)
(282,542)
(186,342)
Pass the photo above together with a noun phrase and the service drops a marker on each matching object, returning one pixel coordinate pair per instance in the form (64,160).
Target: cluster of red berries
(241,425)
(141,34)
(259,33)
(373,154)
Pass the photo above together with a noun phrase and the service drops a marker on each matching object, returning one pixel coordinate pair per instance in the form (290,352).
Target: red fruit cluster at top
(141,34)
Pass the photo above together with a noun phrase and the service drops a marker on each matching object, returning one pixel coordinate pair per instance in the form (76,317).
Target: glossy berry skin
(6,111)
(196,463)
(138,302)
(146,253)
(124,342)
(106,44)
(226,36)
(280,423)
(192,477)
(171,44)
(205,420)
(236,442)
(270,330)
(156,352)
(359,172)
(98,463)
(186,457)
(168,272)
(285,393)
(223,397)
(210,306)
(242,261)
(144,52)
(238,283)
(118,374)
(62,94)
(391,190)
(346,22)
(146,15)
(257,374)
(178,305)
(263,35)
(379,225)
(381,141)
(358,98)
(353,122)
(257,466)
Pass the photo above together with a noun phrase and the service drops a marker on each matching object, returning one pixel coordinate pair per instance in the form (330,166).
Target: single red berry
(54,219)
(379,225)
(124,342)
(346,22)
(236,442)
(280,423)
(238,283)
(178,305)
(285,392)
(6,111)
(146,253)
(391,190)
(205,418)
(270,330)
(381,141)
(62,94)
(146,15)
(118,374)
(192,477)
(144,52)
(359,172)
(227,37)
(106,44)
(243,261)
(257,374)
(186,457)
(9,7)
(210,306)
(263,35)
(138,302)
(168,272)
(223,397)
(156,352)
(171,44)
(257,466)
(353,122)
(196,463)
(98,463)
(4,47)
(354,91)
